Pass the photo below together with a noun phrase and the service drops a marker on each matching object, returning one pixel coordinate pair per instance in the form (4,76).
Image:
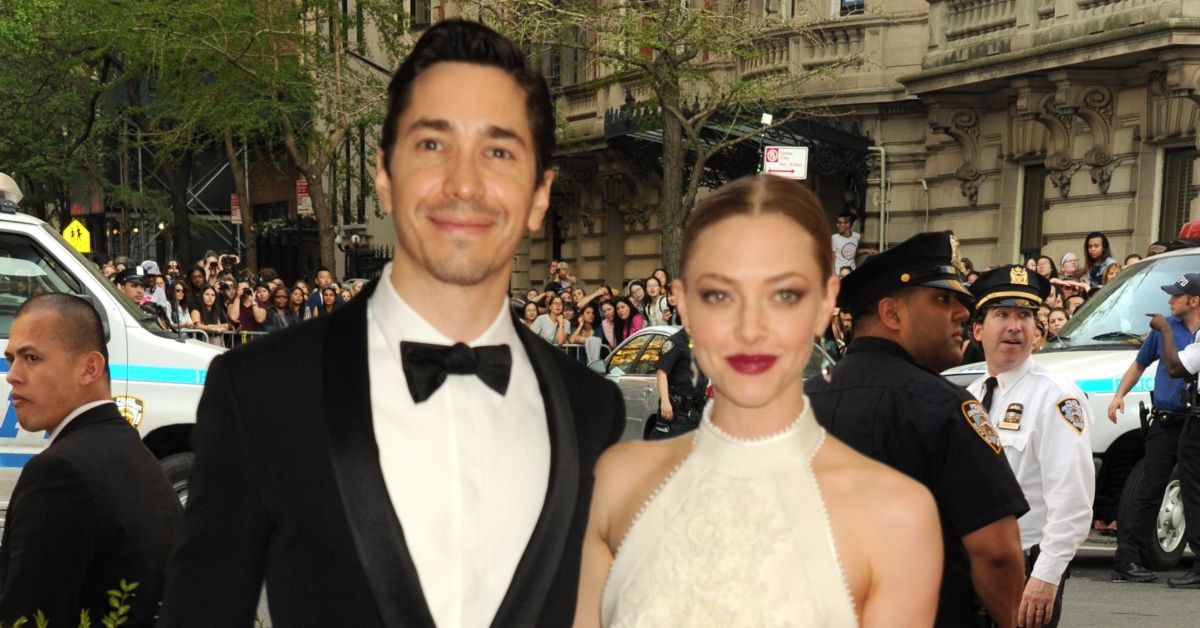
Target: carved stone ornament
(1061,178)
(637,216)
(1102,176)
(962,125)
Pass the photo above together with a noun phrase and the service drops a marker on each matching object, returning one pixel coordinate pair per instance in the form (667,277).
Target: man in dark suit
(418,458)
(94,508)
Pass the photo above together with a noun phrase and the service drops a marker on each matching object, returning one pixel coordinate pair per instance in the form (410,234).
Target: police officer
(132,282)
(681,387)
(1176,438)
(886,399)
(1044,426)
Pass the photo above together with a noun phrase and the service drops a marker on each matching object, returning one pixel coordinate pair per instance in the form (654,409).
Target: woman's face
(279,298)
(346,296)
(1070,264)
(261,293)
(298,296)
(1043,267)
(531,312)
(556,306)
(754,299)
(578,294)
(653,289)
(1053,300)
(661,276)
(329,296)
(1095,248)
(1043,315)
(637,293)
(302,286)
(622,310)
(531,295)
(210,297)
(1056,321)
(1031,264)
(179,292)
(197,277)
(671,299)
(160,282)
(607,311)
(587,316)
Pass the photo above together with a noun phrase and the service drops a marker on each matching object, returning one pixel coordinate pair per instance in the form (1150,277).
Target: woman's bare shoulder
(627,475)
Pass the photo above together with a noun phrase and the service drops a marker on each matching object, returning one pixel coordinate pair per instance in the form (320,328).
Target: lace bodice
(736,536)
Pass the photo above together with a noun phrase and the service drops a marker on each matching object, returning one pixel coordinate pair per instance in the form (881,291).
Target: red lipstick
(751,364)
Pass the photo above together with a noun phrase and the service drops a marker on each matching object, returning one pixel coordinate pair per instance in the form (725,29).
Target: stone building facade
(1021,125)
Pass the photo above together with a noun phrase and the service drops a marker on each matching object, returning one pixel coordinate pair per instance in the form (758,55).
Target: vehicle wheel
(1168,541)
(178,468)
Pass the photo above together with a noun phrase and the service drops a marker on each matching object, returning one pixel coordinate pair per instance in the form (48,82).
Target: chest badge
(977,418)
(1012,417)
(666,347)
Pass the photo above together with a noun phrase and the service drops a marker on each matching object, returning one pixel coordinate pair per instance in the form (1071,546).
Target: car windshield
(1117,314)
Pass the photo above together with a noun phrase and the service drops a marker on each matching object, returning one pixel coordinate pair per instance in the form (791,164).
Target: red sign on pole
(303,200)
(235,209)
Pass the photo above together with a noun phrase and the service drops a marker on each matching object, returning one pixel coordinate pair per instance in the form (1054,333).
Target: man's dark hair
(848,216)
(321,269)
(80,330)
(471,42)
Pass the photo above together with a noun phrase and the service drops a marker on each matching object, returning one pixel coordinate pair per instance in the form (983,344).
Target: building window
(1033,205)
(851,7)
(1177,191)
(421,12)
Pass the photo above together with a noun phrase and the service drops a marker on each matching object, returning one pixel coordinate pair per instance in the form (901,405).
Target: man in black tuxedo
(418,458)
(94,508)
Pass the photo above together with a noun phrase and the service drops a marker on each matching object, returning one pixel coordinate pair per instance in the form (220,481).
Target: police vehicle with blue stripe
(1095,348)
(157,375)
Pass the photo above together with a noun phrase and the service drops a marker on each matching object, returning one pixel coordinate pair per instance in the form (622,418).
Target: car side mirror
(597,366)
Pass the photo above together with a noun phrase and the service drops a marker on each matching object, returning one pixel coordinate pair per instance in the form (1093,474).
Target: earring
(692,358)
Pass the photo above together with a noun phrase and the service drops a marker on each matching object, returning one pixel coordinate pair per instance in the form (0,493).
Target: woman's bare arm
(906,565)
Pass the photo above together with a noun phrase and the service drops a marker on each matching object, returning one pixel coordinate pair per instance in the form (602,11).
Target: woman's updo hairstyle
(756,195)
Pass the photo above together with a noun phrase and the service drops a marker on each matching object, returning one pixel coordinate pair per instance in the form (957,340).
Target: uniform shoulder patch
(977,418)
(667,346)
(1071,410)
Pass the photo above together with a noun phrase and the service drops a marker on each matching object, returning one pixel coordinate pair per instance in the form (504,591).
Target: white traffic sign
(790,162)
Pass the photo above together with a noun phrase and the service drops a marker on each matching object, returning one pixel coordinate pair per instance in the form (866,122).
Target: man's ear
(832,285)
(977,330)
(541,202)
(892,312)
(679,289)
(383,183)
(93,368)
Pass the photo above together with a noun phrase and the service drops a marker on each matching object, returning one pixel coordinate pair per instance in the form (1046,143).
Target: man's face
(1182,304)
(931,326)
(134,290)
(324,278)
(44,373)
(1007,335)
(843,226)
(461,190)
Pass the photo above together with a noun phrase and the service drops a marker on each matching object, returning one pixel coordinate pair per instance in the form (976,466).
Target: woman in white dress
(757,518)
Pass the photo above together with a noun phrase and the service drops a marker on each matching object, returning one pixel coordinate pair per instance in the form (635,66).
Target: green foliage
(118,602)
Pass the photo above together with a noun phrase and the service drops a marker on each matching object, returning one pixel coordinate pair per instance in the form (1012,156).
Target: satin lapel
(526,595)
(377,534)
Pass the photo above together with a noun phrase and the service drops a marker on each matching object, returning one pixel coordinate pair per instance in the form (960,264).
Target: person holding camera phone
(246,310)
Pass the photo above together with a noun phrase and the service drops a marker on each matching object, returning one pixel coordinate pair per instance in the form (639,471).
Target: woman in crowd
(1055,321)
(758,517)
(1111,272)
(565,278)
(655,307)
(1046,267)
(1068,266)
(179,312)
(329,296)
(346,295)
(281,314)
(552,326)
(608,331)
(210,317)
(1097,258)
(627,320)
(196,283)
(298,302)
(636,293)
(586,327)
(672,316)
(530,313)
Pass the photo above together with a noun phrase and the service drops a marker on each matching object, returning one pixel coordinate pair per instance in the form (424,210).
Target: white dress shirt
(466,470)
(1050,452)
(1190,356)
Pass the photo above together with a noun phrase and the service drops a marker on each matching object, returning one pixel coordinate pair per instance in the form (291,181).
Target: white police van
(157,376)
(1094,349)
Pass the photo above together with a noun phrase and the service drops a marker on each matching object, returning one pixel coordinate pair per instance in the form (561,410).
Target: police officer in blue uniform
(1170,438)
(886,399)
(681,388)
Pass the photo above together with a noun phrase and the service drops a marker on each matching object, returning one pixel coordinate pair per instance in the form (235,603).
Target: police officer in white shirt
(1043,424)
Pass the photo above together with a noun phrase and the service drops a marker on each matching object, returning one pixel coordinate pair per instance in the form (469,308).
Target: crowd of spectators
(563,312)
(218,295)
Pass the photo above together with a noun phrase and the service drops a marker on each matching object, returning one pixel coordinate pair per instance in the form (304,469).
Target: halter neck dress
(737,535)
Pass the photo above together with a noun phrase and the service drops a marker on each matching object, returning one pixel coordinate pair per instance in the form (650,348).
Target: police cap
(133,274)
(925,259)
(1010,286)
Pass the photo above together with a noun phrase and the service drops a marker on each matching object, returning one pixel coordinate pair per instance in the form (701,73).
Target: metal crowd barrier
(237,337)
(580,353)
(198,334)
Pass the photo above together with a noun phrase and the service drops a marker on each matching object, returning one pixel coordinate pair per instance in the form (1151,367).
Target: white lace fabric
(736,536)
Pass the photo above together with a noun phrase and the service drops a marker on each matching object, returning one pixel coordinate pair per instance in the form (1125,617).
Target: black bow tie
(426,366)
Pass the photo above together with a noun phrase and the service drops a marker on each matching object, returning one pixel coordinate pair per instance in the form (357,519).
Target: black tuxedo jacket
(92,509)
(287,487)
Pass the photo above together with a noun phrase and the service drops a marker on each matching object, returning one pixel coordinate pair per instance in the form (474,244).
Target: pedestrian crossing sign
(78,237)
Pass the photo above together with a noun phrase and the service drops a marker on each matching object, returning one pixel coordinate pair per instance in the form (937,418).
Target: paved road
(1093,600)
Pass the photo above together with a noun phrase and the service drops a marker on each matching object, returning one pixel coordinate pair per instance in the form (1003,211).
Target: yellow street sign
(78,236)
